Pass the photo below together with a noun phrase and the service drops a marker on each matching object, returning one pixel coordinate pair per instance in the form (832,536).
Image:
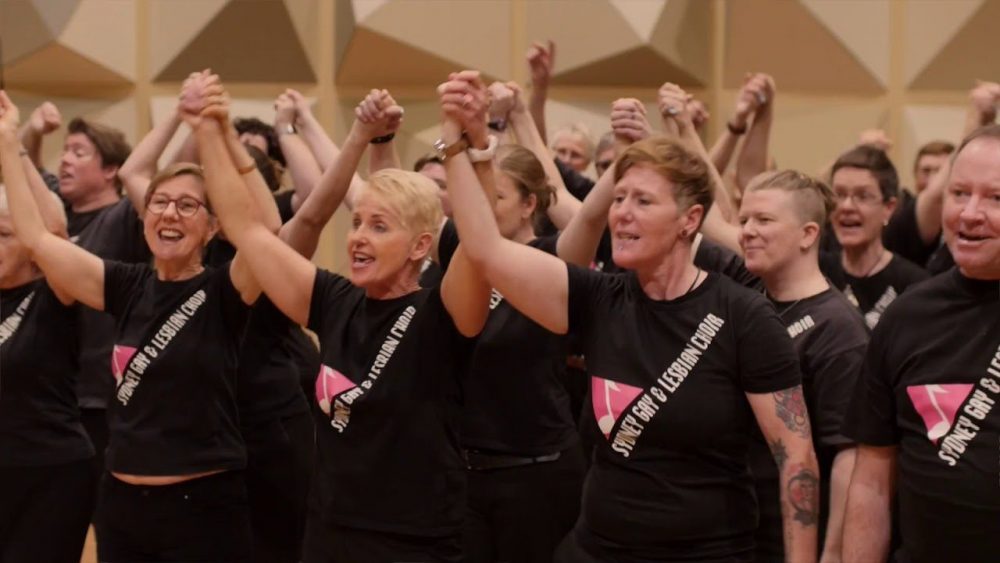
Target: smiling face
(385,255)
(174,238)
(773,233)
(645,219)
(971,216)
(861,212)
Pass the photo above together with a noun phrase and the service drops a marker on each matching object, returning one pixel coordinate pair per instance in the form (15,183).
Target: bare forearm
(840,479)
(722,202)
(536,105)
(566,205)
(867,525)
(322,146)
(137,172)
(472,210)
(231,201)
(188,151)
(974,119)
(722,151)
(32,142)
(24,211)
(752,159)
(383,156)
(49,204)
(302,166)
(266,209)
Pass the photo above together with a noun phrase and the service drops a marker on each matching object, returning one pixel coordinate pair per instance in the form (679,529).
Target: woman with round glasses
(174,488)
(865,187)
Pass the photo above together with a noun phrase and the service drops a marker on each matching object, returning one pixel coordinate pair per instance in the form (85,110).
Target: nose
(171,209)
(971,212)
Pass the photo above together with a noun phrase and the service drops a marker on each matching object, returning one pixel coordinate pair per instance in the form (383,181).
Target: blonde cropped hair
(581,133)
(814,200)
(411,196)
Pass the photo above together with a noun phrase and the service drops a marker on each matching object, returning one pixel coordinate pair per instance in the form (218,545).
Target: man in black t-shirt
(104,223)
(923,411)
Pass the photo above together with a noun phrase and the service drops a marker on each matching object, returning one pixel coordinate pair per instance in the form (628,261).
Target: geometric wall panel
(929,27)
(801,48)
(51,43)
(637,43)
(974,44)
(242,40)
(384,43)
(923,124)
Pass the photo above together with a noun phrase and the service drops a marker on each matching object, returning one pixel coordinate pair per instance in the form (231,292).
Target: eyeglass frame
(862,199)
(166,201)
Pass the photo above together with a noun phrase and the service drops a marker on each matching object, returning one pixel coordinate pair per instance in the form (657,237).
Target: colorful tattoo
(790,406)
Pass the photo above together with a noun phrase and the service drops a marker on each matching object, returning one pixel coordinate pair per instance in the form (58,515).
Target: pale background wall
(841,65)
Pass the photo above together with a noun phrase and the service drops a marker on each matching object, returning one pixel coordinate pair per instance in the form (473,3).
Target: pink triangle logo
(329,384)
(120,357)
(937,405)
(610,399)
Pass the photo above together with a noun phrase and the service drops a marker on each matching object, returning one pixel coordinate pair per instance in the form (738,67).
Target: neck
(404,284)
(672,277)
(176,271)
(97,200)
(863,261)
(21,277)
(800,279)
(525,234)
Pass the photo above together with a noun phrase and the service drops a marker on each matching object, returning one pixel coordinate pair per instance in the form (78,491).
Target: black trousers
(204,519)
(45,512)
(578,548)
(332,543)
(520,514)
(279,466)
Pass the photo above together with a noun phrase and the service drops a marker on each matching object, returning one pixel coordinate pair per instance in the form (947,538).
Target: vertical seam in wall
(142,89)
(896,90)
(716,84)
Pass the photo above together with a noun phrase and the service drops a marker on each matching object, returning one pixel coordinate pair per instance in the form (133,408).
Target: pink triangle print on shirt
(120,356)
(937,405)
(329,384)
(610,399)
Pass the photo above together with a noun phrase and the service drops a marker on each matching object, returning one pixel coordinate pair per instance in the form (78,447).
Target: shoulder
(907,270)
(921,301)
(836,316)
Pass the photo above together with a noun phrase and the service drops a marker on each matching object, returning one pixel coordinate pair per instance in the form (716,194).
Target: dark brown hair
(875,161)
(109,142)
(522,166)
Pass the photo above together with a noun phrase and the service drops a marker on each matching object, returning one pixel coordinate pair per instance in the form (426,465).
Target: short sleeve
(234,310)
(134,248)
(284,203)
(121,283)
(584,291)
(834,378)
(767,358)
(328,289)
(576,183)
(447,244)
(871,417)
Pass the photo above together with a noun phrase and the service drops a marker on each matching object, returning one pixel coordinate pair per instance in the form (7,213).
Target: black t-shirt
(714,257)
(284,202)
(668,380)
(872,295)
(39,416)
(111,233)
(830,338)
(515,394)
(941,260)
(174,409)
(902,235)
(388,456)
(930,385)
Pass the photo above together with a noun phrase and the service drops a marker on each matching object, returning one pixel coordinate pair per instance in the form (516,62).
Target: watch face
(439,145)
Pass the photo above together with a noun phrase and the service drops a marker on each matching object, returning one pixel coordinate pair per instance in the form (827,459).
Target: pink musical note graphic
(937,405)
(120,357)
(610,399)
(329,384)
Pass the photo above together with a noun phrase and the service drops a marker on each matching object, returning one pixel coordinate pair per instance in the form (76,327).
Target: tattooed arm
(783,419)
(867,524)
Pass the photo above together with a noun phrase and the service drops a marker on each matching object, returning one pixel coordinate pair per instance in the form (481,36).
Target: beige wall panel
(175,23)
(641,15)
(863,28)
(640,66)
(473,34)
(304,16)
(56,64)
(923,124)
(930,25)
(116,113)
(373,60)
(684,34)
(104,30)
(808,134)
(363,9)
(783,38)
(584,31)
(22,28)
(56,13)
(247,41)
(970,55)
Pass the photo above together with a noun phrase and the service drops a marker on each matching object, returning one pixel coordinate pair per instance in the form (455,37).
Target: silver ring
(762,99)
(672,110)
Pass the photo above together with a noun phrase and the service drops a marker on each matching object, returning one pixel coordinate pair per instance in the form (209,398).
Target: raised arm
(72,273)
(44,120)
(303,231)
(930,204)
(49,204)
(868,523)
(737,125)
(784,421)
(383,149)
(302,165)
(534,282)
(541,61)
(522,125)
(752,159)
(140,167)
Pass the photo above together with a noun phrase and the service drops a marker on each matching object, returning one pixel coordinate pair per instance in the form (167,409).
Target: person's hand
(757,92)
(502,101)
(672,101)
(876,138)
(285,112)
(699,113)
(984,98)
(518,92)
(628,120)
(466,100)
(377,115)
(45,119)
(541,61)
(303,110)
(10,117)
(202,96)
